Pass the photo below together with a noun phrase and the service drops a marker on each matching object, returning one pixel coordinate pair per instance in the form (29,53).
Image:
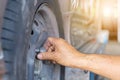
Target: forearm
(108,66)
(105,65)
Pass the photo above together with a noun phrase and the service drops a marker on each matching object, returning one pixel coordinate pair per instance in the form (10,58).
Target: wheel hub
(44,25)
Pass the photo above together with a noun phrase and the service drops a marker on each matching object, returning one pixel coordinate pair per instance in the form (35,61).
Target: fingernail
(39,56)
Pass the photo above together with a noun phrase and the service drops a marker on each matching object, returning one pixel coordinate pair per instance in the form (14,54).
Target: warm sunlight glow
(75,3)
(107,11)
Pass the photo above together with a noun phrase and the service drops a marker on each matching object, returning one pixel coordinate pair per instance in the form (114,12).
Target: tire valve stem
(38,51)
(42,50)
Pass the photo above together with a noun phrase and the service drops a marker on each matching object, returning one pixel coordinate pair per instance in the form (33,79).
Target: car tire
(16,34)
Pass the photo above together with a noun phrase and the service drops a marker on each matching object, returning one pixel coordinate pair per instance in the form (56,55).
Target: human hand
(59,51)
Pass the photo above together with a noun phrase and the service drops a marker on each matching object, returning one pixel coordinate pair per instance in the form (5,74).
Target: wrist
(79,61)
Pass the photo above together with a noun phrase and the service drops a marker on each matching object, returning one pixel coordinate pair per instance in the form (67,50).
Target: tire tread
(9,32)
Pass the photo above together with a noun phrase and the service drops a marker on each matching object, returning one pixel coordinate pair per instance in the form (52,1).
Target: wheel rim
(44,25)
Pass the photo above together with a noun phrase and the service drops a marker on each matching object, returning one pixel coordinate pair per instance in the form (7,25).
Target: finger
(47,45)
(51,49)
(52,40)
(45,56)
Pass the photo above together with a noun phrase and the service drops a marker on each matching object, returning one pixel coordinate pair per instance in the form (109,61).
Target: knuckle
(61,41)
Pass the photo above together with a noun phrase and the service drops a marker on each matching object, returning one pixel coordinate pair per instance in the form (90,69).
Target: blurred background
(91,26)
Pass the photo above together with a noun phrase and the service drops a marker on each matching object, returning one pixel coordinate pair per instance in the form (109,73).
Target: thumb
(45,56)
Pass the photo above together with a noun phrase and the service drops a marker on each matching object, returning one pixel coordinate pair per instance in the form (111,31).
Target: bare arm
(105,65)
(59,51)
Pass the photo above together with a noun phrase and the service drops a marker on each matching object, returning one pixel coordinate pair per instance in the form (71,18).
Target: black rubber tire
(16,31)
